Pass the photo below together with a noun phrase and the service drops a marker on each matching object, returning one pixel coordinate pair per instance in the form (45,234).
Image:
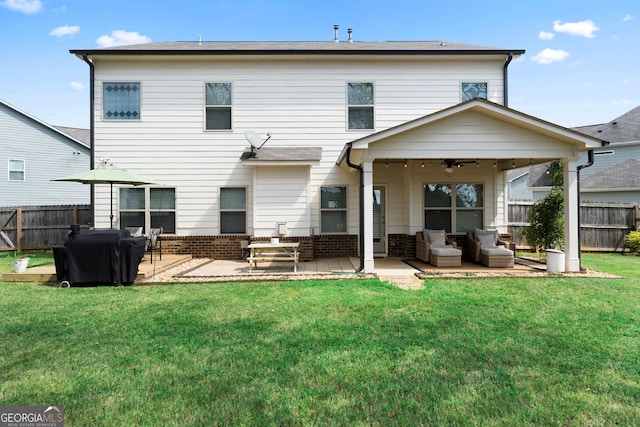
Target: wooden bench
(278,252)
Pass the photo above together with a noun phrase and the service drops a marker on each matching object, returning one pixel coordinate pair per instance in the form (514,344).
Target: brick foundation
(228,246)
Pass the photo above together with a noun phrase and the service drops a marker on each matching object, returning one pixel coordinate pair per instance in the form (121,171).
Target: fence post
(19,229)
(637,217)
(75,215)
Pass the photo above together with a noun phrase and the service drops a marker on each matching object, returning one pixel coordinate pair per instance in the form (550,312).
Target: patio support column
(571,215)
(367,170)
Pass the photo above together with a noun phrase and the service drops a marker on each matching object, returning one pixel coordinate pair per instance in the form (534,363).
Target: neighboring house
(614,175)
(32,153)
(370,143)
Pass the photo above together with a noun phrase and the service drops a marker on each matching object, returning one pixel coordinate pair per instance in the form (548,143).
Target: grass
(503,352)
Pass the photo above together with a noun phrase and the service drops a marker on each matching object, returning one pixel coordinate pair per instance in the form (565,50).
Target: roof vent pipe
(349,30)
(335,36)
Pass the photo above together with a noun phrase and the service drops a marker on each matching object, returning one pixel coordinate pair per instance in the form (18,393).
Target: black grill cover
(99,256)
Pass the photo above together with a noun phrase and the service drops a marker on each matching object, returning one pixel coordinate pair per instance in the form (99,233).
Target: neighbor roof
(289,47)
(625,128)
(624,175)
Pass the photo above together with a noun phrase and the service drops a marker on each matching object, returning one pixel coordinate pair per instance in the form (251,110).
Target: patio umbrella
(107,173)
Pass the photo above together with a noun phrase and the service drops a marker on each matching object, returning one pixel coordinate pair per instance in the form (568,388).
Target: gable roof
(300,47)
(624,175)
(624,128)
(489,109)
(73,134)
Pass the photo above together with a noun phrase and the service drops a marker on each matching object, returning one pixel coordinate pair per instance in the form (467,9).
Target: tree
(546,216)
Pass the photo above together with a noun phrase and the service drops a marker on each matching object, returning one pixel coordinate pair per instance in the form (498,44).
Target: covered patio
(466,149)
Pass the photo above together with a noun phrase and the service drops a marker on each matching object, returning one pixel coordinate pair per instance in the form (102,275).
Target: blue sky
(581,64)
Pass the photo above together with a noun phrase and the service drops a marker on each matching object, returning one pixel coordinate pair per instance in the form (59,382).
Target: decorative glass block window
(233,210)
(142,206)
(16,170)
(360,108)
(121,101)
(333,209)
(471,90)
(457,207)
(218,106)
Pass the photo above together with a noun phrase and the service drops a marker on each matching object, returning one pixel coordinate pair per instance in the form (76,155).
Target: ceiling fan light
(448,169)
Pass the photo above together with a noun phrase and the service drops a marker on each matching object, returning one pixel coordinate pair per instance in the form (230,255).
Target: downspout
(85,58)
(579,168)
(361,206)
(505,80)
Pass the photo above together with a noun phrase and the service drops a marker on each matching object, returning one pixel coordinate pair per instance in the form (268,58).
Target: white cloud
(582,28)
(549,56)
(545,35)
(628,17)
(25,6)
(76,86)
(66,30)
(120,38)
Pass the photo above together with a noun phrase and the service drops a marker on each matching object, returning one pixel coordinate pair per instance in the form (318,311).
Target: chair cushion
(495,251)
(486,240)
(480,232)
(426,235)
(437,238)
(446,251)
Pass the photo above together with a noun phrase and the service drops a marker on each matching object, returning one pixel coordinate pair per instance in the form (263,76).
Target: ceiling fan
(449,164)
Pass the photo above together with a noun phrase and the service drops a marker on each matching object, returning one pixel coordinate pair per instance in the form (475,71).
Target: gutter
(361,206)
(578,169)
(505,78)
(85,58)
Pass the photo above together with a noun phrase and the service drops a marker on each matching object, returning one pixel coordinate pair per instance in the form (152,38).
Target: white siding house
(388,115)
(31,154)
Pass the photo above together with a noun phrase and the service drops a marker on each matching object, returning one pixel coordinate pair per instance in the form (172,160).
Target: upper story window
(360,105)
(218,106)
(471,90)
(16,170)
(121,101)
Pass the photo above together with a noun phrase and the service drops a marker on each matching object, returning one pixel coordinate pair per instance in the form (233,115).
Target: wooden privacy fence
(603,225)
(39,227)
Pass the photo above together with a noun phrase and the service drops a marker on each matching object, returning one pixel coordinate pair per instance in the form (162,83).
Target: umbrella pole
(111,199)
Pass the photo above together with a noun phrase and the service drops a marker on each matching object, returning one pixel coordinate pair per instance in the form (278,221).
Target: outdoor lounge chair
(433,246)
(153,240)
(485,247)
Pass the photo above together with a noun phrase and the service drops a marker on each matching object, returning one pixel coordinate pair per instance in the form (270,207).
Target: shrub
(632,241)
(547,223)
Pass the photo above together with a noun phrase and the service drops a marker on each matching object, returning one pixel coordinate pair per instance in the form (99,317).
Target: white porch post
(571,215)
(367,170)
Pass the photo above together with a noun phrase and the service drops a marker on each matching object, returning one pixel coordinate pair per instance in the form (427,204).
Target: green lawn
(553,351)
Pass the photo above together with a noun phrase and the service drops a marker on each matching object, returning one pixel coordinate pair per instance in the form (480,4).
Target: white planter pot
(555,261)
(20,265)
(275,240)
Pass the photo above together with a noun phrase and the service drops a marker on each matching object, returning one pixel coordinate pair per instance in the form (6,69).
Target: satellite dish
(255,140)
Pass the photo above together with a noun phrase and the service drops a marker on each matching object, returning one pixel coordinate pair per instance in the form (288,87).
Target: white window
(121,101)
(457,207)
(233,210)
(333,209)
(471,90)
(218,106)
(360,105)
(16,170)
(148,208)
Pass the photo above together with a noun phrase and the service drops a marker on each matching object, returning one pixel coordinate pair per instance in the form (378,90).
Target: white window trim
(372,106)
(139,119)
(205,105)
(453,208)
(345,209)
(245,210)
(23,170)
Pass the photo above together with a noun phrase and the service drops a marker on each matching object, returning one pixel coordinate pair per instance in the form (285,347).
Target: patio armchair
(153,240)
(427,239)
(487,248)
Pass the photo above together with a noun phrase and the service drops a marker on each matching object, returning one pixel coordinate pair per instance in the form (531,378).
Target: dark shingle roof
(625,128)
(82,135)
(622,175)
